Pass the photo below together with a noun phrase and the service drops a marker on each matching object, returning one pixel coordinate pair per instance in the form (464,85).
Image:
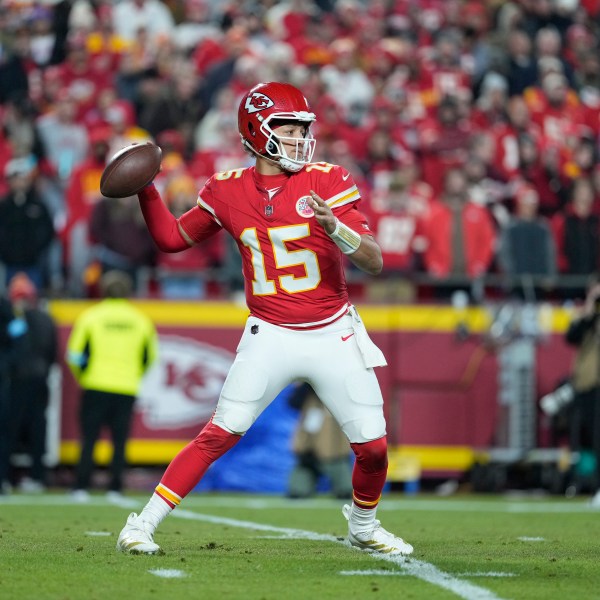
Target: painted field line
(168,573)
(378,572)
(487,574)
(389,504)
(384,573)
(417,568)
(201,500)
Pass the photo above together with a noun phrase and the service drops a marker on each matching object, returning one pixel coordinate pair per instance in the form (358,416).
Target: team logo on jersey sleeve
(258,102)
(303,207)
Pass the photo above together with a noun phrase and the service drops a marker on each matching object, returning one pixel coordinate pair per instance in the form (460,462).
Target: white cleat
(378,540)
(135,537)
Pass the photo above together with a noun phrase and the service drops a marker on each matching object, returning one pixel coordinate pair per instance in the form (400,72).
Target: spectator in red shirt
(554,107)
(459,234)
(312,43)
(83,75)
(443,143)
(396,211)
(506,137)
(445,75)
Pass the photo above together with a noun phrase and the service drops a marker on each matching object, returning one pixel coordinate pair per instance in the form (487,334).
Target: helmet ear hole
(272,147)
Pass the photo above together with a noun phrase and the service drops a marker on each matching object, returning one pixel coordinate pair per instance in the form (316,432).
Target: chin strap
(287,164)
(290,165)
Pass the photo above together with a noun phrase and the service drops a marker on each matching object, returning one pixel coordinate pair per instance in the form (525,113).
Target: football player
(293,220)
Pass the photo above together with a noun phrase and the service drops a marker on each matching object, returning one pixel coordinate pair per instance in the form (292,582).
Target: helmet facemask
(290,153)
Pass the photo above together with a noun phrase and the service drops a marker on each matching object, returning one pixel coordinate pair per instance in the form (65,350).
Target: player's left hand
(323,213)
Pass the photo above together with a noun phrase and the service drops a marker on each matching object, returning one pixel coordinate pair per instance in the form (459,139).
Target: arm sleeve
(163,226)
(198,224)
(353,218)
(166,230)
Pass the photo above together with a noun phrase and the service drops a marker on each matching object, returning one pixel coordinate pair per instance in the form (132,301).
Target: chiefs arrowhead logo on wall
(258,102)
(183,386)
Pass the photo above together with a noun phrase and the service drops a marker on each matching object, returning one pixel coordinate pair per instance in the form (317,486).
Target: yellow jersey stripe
(348,196)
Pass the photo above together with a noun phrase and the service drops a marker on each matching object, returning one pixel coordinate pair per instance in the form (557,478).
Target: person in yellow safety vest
(111,346)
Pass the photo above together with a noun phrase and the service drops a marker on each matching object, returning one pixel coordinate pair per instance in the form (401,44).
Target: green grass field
(271,548)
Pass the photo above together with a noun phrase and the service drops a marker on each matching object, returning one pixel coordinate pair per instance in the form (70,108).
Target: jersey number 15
(262,285)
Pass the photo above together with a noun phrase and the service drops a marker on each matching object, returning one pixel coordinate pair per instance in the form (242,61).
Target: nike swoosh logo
(344,177)
(346,337)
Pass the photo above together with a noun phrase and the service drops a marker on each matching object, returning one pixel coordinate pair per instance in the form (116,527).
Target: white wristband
(346,239)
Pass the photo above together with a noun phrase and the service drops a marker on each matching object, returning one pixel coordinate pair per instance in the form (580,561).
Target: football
(130,169)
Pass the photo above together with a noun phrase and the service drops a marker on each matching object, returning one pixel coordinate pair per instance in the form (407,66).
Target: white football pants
(270,357)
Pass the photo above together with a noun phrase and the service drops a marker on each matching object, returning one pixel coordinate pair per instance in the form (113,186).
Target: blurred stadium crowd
(472,129)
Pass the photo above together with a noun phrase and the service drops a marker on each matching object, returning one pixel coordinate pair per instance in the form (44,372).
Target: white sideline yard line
(424,504)
(384,573)
(378,572)
(168,573)
(417,568)
(202,500)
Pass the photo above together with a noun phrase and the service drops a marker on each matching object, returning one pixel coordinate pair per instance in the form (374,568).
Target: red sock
(187,468)
(370,472)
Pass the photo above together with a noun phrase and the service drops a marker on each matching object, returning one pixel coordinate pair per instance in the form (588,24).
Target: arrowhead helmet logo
(258,102)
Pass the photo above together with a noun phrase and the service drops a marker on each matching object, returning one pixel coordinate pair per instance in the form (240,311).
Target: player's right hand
(323,213)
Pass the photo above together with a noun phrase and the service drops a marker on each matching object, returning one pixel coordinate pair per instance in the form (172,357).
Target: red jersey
(395,219)
(479,238)
(293,271)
